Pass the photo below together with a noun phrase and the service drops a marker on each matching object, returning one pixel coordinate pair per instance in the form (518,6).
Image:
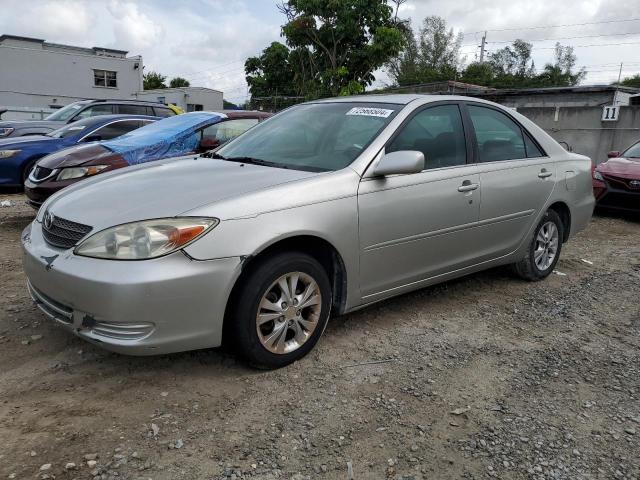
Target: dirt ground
(486,376)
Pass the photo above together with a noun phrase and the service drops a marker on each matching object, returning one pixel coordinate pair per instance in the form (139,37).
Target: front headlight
(8,153)
(145,239)
(598,176)
(78,172)
(6,131)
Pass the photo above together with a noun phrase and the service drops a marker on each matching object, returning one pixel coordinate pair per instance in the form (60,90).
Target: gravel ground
(482,377)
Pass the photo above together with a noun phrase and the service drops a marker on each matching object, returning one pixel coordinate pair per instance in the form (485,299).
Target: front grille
(41,173)
(624,183)
(63,233)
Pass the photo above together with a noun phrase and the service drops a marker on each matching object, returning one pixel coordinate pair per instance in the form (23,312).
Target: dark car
(80,110)
(194,132)
(616,182)
(18,155)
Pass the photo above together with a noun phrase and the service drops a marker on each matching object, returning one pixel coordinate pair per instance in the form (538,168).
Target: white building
(37,77)
(189,99)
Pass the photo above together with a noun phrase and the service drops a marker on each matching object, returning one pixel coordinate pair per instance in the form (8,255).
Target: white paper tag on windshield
(370,112)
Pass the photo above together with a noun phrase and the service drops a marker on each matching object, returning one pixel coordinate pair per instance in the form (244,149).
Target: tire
(284,334)
(536,265)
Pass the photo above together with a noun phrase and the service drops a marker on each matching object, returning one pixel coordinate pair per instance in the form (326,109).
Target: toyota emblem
(48,220)
(634,183)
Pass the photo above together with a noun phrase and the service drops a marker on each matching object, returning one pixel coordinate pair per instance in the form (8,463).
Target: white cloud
(207,41)
(68,20)
(132,28)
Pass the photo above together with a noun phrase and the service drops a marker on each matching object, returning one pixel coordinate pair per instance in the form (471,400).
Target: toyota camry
(323,209)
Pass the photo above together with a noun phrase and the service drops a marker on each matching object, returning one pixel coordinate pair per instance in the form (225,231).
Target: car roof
(397,98)
(121,101)
(98,119)
(246,114)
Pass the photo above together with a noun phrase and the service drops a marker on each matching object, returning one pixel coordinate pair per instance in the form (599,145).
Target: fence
(584,131)
(24,113)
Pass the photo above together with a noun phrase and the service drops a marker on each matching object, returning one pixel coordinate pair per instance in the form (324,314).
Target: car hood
(162,189)
(47,124)
(621,167)
(77,155)
(29,140)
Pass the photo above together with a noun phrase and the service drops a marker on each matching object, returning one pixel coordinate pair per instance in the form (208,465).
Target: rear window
(164,112)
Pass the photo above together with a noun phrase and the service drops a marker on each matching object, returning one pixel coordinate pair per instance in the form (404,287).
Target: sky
(207,41)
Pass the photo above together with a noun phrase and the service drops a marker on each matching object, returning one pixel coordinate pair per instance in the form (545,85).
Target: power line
(538,27)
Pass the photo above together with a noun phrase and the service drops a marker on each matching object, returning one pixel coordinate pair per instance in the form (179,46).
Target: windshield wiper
(256,161)
(211,154)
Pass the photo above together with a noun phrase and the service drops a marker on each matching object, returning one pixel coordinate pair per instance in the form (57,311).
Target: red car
(616,182)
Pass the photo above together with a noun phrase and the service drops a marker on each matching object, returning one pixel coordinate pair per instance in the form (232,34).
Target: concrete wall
(39,75)
(583,130)
(211,100)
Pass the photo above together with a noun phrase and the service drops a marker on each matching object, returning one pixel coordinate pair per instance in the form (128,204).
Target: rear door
(417,226)
(517,178)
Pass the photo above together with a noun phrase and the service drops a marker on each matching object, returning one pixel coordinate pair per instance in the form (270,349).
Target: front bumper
(37,193)
(618,199)
(148,307)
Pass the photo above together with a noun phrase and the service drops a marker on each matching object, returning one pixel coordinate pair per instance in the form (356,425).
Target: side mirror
(613,154)
(399,163)
(92,138)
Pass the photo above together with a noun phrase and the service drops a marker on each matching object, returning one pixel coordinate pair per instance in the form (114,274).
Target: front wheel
(544,249)
(282,309)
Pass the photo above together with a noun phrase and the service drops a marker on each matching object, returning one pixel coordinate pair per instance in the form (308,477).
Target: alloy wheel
(289,312)
(546,247)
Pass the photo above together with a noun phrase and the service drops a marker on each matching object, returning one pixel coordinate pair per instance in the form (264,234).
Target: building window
(194,107)
(105,78)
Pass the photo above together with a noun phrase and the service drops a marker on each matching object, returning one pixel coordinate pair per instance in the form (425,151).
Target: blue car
(18,155)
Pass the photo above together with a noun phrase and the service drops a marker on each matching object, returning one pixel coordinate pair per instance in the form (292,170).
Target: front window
(95,110)
(316,136)
(437,132)
(105,78)
(632,152)
(65,113)
(71,129)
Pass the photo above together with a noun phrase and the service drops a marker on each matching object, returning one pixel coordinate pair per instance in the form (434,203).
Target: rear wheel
(544,248)
(282,310)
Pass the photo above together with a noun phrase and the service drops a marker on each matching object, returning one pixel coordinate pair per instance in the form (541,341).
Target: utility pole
(615,94)
(482,45)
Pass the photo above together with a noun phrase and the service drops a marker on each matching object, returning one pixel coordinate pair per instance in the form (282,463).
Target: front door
(417,226)
(516,176)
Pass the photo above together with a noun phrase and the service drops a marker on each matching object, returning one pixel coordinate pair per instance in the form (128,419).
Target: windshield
(632,152)
(65,113)
(316,137)
(71,129)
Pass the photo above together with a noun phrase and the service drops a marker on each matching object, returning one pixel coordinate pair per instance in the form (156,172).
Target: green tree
(633,81)
(178,82)
(271,74)
(340,42)
(229,105)
(513,66)
(561,72)
(479,74)
(153,80)
(433,56)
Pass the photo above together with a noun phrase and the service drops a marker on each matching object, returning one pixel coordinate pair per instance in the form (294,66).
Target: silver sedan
(325,208)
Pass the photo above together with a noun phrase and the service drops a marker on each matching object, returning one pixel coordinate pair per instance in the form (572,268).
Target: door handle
(544,173)
(467,186)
